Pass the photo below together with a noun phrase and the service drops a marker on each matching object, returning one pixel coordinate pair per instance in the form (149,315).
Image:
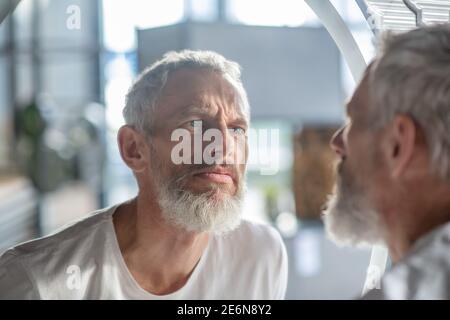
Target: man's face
(198,100)
(351,217)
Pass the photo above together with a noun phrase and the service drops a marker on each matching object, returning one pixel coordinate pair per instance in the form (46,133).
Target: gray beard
(201,212)
(350,219)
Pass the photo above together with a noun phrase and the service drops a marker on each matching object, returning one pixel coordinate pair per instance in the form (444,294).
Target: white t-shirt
(423,274)
(83,261)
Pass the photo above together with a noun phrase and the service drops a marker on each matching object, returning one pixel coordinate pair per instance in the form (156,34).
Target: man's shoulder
(425,272)
(430,253)
(15,280)
(69,235)
(27,269)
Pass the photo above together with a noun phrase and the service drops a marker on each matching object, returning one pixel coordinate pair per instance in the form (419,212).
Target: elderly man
(182,236)
(393,184)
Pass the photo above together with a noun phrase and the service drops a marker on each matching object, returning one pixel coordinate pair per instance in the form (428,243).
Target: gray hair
(411,75)
(142,97)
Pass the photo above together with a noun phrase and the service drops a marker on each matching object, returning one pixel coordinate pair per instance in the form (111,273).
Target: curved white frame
(351,52)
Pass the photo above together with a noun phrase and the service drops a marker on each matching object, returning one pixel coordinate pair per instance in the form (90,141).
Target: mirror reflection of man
(182,237)
(393,182)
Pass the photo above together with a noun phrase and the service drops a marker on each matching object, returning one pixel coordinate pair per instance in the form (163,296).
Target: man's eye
(237,130)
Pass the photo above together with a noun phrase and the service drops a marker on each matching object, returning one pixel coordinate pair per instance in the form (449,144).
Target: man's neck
(420,220)
(161,257)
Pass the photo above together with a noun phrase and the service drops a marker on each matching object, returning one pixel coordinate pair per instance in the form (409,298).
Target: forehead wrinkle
(225,102)
(209,98)
(194,109)
(209,110)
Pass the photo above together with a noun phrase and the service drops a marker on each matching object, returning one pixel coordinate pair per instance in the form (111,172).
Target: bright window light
(156,13)
(291,13)
(202,10)
(121,18)
(120,80)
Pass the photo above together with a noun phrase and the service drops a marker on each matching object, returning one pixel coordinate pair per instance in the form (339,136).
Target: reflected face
(197,100)
(351,217)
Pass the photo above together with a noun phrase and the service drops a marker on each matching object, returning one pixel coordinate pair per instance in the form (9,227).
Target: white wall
(290,73)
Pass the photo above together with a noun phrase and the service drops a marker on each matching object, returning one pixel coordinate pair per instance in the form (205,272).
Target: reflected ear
(401,143)
(133,148)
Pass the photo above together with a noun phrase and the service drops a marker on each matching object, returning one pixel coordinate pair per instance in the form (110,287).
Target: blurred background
(66,65)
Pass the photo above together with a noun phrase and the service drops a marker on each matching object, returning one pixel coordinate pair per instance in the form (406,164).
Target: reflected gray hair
(411,75)
(143,95)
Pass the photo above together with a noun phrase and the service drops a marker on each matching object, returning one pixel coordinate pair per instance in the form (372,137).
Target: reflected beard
(198,212)
(349,218)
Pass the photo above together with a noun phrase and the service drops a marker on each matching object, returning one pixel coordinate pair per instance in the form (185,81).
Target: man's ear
(133,148)
(401,143)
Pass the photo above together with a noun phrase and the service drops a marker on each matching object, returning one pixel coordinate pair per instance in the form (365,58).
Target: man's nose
(225,151)
(337,142)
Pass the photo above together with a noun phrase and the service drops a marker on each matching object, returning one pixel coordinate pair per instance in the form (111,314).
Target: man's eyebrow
(241,121)
(192,109)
